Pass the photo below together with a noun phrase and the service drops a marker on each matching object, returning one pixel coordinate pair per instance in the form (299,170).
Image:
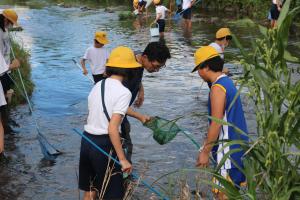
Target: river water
(54,36)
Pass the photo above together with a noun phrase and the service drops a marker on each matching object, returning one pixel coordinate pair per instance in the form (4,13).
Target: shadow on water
(54,36)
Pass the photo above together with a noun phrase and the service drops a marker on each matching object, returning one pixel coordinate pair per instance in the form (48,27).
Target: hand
(203,159)
(145,118)
(15,64)
(225,70)
(85,71)
(126,166)
(139,102)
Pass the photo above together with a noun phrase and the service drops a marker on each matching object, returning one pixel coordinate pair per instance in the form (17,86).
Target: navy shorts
(187,14)
(6,82)
(274,12)
(93,165)
(161,25)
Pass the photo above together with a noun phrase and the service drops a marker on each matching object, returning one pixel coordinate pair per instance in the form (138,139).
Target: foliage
(23,55)
(126,15)
(272,160)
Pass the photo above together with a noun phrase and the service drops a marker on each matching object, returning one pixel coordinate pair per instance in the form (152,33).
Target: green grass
(25,68)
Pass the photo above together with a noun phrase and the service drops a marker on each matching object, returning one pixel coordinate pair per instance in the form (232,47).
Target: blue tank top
(235,116)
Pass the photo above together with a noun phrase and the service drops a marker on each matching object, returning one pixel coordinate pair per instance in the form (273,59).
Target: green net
(163,130)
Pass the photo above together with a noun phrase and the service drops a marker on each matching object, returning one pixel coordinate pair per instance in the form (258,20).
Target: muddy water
(56,35)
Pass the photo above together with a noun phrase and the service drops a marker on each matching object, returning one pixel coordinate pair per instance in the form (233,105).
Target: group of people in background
(118,86)
(8,18)
(184,9)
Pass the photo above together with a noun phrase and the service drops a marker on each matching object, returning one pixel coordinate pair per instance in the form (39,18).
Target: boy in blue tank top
(222,92)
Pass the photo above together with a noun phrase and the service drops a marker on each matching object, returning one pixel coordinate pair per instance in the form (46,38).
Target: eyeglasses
(157,67)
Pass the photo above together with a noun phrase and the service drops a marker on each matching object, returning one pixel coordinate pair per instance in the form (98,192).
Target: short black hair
(116,71)
(228,37)
(157,51)
(215,64)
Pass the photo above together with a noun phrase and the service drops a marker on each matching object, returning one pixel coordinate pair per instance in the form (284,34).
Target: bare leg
(91,195)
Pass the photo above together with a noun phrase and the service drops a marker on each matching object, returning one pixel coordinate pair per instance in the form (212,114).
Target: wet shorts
(93,165)
(6,82)
(274,12)
(187,14)
(161,25)
(233,175)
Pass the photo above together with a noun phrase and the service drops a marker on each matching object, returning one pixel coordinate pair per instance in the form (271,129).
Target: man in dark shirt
(153,58)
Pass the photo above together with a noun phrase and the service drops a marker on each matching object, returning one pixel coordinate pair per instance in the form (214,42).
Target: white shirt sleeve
(122,104)
(87,54)
(3,65)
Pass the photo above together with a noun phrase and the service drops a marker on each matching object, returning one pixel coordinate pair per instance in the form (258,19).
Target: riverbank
(23,55)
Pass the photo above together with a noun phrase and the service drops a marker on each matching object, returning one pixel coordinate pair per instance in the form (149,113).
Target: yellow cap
(11,15)
(122,57)
(223,32)
(156,1)
(203,54)
(101,37)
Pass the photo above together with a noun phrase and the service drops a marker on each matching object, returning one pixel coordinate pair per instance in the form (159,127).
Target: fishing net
(163,130)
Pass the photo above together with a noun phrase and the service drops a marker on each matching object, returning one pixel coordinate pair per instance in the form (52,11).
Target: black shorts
(93,165)
(274,12)
(161,25)
(6,82)
(187,14)
(142,3)
(98,77)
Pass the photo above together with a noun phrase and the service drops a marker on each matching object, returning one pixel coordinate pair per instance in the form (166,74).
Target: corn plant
(272,160)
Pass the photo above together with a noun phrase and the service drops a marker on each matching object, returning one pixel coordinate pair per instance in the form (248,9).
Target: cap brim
(101,41)
(127,66)
(195,69)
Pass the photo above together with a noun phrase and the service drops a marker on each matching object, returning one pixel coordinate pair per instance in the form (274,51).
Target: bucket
(154,32)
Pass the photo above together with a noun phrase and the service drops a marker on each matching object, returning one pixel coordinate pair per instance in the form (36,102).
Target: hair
(215,64)
(2,26)
(117,71)
(157,51)
(228,37)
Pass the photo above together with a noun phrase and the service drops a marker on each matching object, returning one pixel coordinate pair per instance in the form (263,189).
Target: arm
(142,118)
(218,99)
(140,98)
(82,62)
(158,16)
(114,135)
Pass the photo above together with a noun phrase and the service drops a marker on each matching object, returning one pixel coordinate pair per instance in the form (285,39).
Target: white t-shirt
(5,45)
(3,68)
(117,99)
(160,9)
(186,4)
(218,48)
(97,58)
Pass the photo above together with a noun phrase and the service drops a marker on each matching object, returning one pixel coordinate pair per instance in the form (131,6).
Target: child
(160,16)
(135,4)
(8,18)
(3,69)
(107,105)
(223,37)
(97,56)
(187,13)
(141,6)
(222,93)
